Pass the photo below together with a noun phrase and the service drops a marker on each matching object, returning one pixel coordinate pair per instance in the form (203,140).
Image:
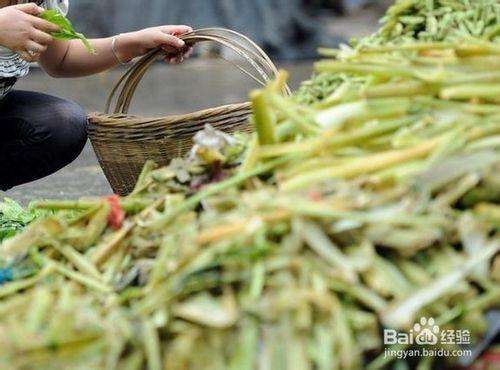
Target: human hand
(23,32)
(134,44)
(176,56)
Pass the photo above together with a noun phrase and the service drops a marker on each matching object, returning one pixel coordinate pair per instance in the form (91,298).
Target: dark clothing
(39,134)
(6,85)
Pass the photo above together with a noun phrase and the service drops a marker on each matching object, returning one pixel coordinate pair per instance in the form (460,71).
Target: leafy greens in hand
(67,32)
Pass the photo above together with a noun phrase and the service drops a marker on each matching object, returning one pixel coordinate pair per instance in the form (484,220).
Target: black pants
(39,134)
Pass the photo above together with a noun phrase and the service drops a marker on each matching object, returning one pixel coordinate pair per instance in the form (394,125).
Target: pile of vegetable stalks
(408,22)
(437,20)
(365,211)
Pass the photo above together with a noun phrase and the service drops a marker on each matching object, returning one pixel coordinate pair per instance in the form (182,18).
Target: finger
(176,30)
(30,8)
(43,25)
(41,37)
(171,59)
(34,47)
(188,52)
(31,58)
(166,40)
(169,49)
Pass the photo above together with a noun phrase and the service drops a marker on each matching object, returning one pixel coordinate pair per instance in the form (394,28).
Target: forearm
(72,59)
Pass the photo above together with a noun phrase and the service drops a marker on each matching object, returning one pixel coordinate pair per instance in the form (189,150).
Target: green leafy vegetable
(14,218)
(67,31)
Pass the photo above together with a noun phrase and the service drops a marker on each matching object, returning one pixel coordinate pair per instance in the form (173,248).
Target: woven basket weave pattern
(123,144)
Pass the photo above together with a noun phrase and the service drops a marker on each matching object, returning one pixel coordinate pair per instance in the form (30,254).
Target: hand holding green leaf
(67,32)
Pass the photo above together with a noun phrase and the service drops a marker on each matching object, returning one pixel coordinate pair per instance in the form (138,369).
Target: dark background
(287,29)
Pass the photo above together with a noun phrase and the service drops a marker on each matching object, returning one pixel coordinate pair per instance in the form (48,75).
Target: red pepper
(314,196)
(116,215)
(489,360)
(491,357)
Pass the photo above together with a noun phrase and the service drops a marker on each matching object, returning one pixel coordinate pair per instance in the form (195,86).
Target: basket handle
(264,68)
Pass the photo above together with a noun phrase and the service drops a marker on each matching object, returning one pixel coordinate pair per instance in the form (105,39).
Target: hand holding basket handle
(124,143)
(133,44)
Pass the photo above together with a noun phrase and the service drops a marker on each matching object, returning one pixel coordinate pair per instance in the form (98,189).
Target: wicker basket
(123,143)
